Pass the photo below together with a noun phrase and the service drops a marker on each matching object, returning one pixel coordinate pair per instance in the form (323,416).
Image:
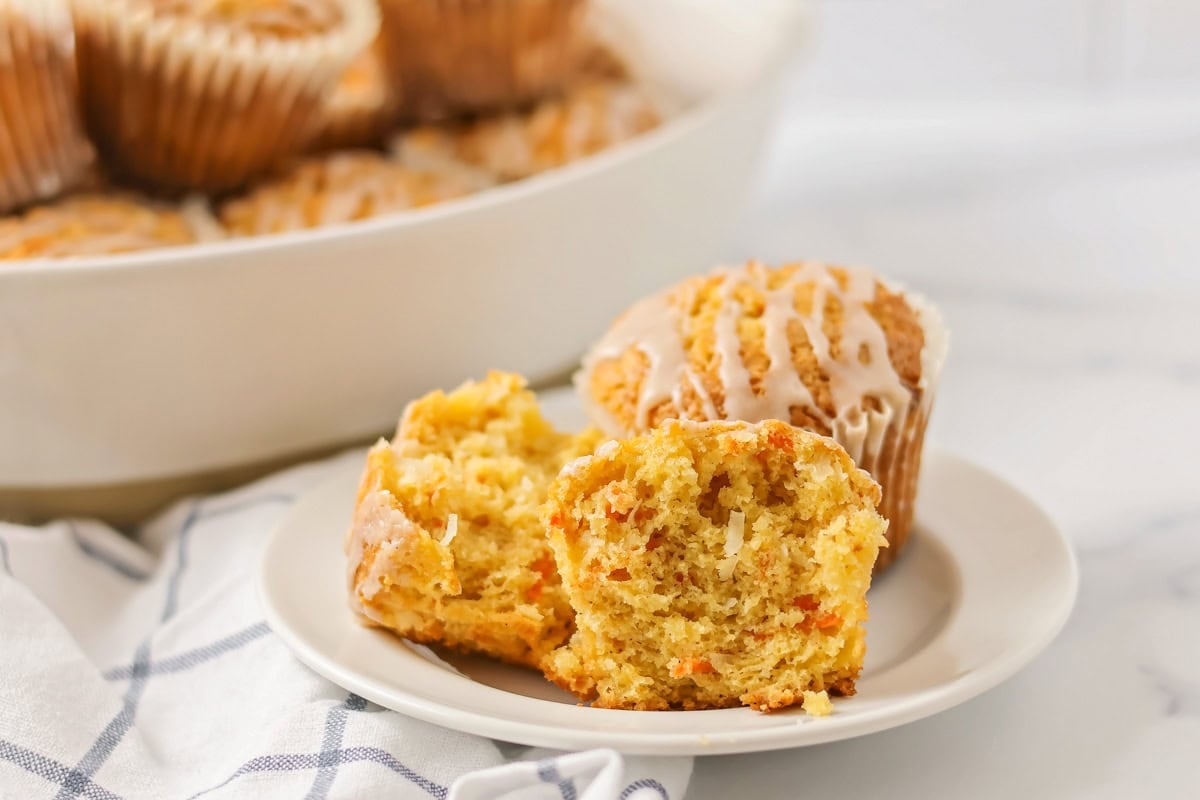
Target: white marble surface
(1062,242)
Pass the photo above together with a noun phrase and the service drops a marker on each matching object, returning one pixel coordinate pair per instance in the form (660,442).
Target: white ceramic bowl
(150,366)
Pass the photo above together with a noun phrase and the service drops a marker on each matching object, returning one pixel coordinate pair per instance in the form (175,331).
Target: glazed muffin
(714,564)
(360,109)
(43,150)
(834,350)
(95,225)
(453,56)
(591,117)
(446,545)
(341,187)
(208,94)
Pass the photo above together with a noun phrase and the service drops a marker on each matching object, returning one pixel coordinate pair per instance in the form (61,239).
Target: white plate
(986,582)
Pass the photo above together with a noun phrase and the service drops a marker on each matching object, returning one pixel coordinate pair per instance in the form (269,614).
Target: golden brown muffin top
(341,187)
(822,347)
(93,225)
(273,19)
(591,117)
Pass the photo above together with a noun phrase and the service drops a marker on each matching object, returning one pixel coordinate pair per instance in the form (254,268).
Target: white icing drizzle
(377,522)
(653,326)
(862,368)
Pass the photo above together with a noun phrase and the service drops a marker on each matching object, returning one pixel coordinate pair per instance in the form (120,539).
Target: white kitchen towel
(142,668)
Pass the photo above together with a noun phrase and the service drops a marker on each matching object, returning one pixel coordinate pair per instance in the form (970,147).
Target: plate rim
(804,732)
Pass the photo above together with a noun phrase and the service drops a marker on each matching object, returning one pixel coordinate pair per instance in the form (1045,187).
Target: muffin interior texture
(446,544)
(713,565)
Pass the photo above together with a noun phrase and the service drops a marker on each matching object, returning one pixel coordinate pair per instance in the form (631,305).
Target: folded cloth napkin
(142,668)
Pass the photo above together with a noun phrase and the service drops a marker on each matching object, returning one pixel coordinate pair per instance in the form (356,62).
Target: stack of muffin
(148,123)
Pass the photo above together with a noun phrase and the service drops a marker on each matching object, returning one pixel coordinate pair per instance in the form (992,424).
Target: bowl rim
(637,148)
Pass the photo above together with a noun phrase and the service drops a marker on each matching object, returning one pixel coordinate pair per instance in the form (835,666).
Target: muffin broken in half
(446,545)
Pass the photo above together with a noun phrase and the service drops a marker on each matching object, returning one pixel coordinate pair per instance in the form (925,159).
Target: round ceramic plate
(984,585)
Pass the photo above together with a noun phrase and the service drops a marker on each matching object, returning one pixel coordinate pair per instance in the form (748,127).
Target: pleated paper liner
(450,57)
(43,149)
(183,103)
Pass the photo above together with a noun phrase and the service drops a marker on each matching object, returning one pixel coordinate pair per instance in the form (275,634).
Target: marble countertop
(1062,243)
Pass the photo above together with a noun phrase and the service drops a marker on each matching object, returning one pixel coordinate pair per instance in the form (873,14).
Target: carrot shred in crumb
(692,666)
(544,567)
(781,441)
(828,621)
(806,602)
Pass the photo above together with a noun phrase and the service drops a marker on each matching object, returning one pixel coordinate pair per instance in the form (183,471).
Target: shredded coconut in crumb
(451,530)
(607,449)
(721,662)
(573,467)
(735,537)
(817,704)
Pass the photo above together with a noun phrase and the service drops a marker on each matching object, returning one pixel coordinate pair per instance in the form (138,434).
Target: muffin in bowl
(43,150)
(341,187)
(450,57)
(104,224)
(586,119)
(209,94)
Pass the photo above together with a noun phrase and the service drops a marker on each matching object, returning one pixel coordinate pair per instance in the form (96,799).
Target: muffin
(208,94)
(96,225)
(834,350)
(453,56)
(43,150)
(714,564)
(591,117)
(360,109)
(446,545)
(340,187)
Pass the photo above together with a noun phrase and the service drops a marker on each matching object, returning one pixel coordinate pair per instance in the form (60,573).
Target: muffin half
(446,545)
(714,564)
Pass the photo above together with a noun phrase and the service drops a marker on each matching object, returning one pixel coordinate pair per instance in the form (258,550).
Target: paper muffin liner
(43,149)
(183,105)
(891,449)
(455,56)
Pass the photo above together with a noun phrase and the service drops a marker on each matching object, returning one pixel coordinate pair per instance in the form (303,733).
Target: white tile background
(950,49)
